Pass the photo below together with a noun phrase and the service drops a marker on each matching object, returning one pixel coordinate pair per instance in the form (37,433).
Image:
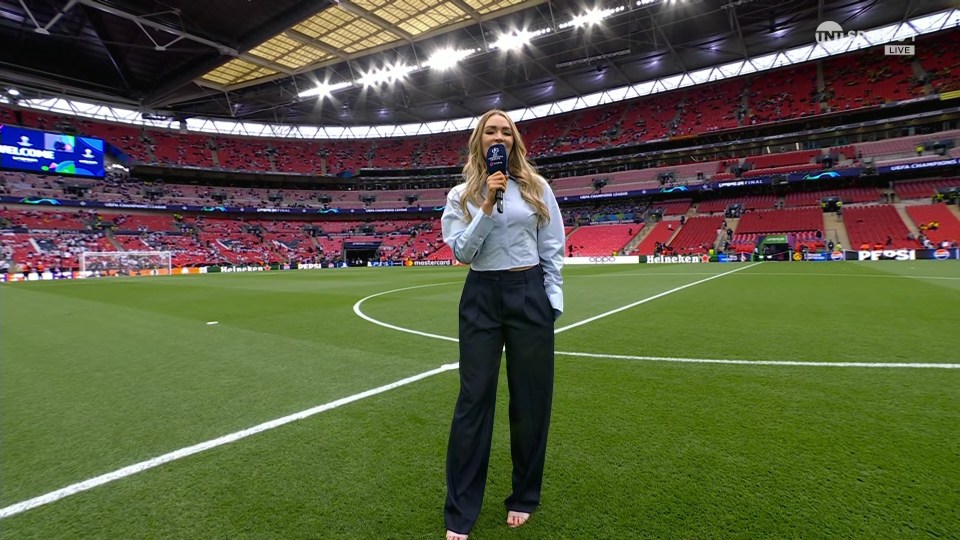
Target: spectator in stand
(511,297)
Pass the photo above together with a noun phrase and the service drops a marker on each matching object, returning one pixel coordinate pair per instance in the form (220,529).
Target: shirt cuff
(555,294)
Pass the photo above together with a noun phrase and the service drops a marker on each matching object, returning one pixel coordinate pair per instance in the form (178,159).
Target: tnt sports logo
(829,31)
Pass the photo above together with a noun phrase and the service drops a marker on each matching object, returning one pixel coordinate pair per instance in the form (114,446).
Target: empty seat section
(781,221)
(600,239)
(872,225)
(948,228)
(661,232)
(697,235)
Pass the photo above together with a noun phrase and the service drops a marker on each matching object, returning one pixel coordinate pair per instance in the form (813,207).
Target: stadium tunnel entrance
(360,253)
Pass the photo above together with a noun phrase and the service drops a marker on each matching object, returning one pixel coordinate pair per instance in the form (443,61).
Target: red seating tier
(596,240)
(697,235)
(661,232)
(949,226)
(777,221)
(872,225)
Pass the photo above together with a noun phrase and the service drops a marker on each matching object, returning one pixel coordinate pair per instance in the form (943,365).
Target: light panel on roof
(237,71)
(351,29)
(287,52)
(345,31)
(488,6)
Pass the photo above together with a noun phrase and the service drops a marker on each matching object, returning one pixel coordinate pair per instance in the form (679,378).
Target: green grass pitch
(97,375)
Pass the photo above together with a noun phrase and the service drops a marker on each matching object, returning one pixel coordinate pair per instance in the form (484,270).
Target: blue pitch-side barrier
(796,256)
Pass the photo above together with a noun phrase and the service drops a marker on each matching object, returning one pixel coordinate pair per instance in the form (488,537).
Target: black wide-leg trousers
(500,309)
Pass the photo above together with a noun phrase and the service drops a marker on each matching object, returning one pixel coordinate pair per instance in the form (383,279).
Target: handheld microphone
(497,161)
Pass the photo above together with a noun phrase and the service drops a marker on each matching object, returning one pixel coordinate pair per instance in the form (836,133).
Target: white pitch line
(765,274)
(226,439)
(362,315)
(763,362)
(889,276)
(650,299)
(73,489)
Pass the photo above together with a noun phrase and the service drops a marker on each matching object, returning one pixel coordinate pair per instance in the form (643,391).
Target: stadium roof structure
(256,60)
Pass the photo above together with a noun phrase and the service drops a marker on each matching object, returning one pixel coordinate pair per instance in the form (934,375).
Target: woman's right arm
(463,237)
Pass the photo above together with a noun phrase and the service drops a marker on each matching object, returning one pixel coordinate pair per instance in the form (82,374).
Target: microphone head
(497,158)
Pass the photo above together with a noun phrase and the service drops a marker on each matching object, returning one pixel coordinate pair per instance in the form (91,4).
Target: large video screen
(50,153)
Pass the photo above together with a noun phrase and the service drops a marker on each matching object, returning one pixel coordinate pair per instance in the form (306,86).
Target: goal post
(127,263)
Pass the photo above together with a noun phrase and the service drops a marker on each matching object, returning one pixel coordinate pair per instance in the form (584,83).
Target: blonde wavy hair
(475,171)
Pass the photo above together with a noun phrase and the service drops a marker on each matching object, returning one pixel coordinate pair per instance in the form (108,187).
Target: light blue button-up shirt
(508,240)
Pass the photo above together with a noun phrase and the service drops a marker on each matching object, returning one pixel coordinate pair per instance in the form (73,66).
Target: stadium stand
(938,55)
(781,221)
(868,78)
(660,232)
(697,235)
(847,195)
(922,189)
(936,223)
(601,240)
(782,94)
(877,226)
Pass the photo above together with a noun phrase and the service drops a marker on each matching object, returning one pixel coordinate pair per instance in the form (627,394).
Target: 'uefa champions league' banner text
(936,164)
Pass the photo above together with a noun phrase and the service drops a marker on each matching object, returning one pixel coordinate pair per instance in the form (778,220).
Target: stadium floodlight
(13,92)
(514,40)
(591,17)
(324,89)
(388,74)
(447,58)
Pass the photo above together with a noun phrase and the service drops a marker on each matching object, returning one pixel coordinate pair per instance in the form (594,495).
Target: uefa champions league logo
(24,141)
(495,152)
(87,153)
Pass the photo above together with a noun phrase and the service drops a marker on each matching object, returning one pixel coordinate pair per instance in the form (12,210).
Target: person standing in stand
(511,298)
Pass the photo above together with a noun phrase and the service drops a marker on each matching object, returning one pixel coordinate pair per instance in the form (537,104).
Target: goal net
(126,263)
